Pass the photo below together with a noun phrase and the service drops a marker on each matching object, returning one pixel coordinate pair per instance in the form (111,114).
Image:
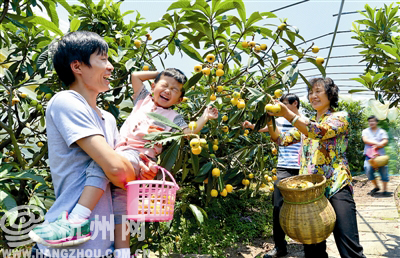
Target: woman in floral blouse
(325,139)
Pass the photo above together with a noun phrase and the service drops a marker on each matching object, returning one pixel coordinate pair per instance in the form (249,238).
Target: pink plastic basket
(151,200)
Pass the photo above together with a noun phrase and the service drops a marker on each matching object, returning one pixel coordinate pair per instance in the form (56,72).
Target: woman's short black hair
(331,90)
(291,97)
(175,73)
(78,45)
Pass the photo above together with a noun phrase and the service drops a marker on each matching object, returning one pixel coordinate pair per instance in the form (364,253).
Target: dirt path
(378,223)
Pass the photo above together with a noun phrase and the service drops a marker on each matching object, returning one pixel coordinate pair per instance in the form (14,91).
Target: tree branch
(5,10)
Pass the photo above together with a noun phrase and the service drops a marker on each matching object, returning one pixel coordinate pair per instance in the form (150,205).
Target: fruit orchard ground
(378,223)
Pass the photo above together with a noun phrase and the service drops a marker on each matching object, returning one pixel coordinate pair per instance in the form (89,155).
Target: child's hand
(247,124)
(155,128)
(211,113)
(148,169)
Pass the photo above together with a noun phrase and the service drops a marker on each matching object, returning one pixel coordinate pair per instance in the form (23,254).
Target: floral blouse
(324,150)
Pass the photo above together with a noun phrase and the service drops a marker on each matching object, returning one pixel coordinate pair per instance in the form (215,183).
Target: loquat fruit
(219,72)
(210,58)
(224,193)
(214,193)
(137,43)
(195,143)
(197,68)
(263,46)
(196,151)
(192,125)
(282,26)
(213,97)
(278,93)
(216,172)
(319,60)
(206,71)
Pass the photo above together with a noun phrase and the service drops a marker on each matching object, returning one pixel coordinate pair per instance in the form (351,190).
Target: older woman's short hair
(331,90)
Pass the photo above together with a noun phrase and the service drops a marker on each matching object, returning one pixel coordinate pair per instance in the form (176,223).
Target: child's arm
(209,114)
(137,79)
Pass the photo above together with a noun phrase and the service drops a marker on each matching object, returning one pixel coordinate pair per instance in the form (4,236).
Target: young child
(167,90)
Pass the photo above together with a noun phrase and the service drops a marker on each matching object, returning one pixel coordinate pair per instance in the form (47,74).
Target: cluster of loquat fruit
(228,188)
(206,67)
(319,60)
(268,179)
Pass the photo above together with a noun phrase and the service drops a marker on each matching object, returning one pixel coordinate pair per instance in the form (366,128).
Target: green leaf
(290,44)
(51,11)
(127,13)
(360,81)
(66,6)
(377,77)
(391,52)
(157,135)
(164,120)
(129,64)
(36,202)
(195,163)
(169,158)
(282,66)
(34,20)
(241,9)
(254,92)
(9,75)
(191,52)
(156,25)
(320,67)
(171,48)
(74,26)
(193,80)
(7,202)
(254,17)
(224,7)
(41,60)
(179,5)
(198,213)
(305,80)
(203,173)
(185,170)
(355,91)
(24,175)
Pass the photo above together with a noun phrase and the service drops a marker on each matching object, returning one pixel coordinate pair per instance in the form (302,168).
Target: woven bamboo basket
(306,215)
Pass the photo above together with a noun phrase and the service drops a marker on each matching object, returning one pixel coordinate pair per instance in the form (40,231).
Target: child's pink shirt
(138,123)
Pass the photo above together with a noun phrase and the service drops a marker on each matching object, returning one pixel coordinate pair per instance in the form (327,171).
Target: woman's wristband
(296,117)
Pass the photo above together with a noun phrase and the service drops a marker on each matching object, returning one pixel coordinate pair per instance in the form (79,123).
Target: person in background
(288,165)
(375,139)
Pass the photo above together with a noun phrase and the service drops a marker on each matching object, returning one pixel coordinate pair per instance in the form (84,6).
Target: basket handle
(163,170)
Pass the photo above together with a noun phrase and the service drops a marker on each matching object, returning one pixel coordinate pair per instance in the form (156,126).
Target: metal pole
(334,34)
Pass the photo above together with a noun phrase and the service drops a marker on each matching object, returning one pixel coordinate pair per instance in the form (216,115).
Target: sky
(313,18)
